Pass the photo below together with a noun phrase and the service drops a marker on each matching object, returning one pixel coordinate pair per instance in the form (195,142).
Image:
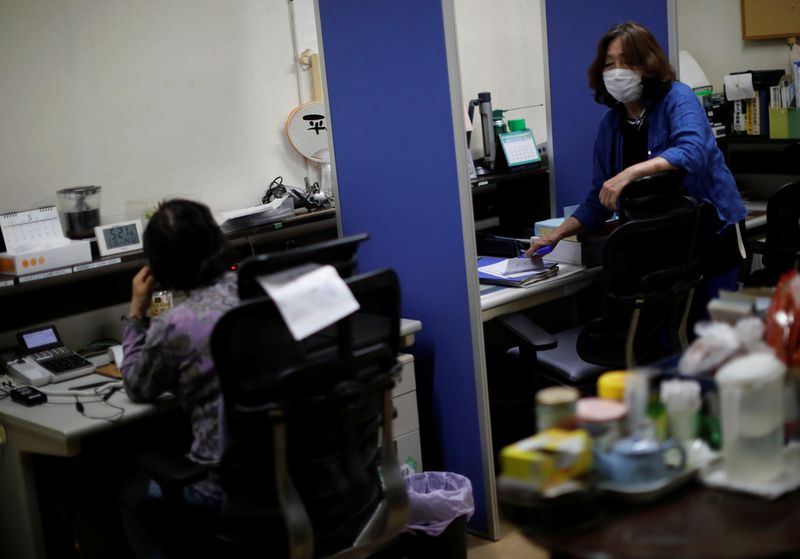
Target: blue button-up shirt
(677,130)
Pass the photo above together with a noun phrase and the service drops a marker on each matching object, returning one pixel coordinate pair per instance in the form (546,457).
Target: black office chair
(302,471)
(650,269)
(652,196)
(781,246)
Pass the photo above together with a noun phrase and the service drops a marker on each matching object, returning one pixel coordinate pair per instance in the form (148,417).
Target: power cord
(275,189)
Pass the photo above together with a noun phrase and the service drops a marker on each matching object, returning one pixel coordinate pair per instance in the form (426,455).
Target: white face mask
(623,85)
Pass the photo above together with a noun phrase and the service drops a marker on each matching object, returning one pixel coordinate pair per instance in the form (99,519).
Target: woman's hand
(539,242)
(142,290)
(612,188)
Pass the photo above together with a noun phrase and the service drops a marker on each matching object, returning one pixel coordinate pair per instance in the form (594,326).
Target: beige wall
(145,98)
(711,30)
(500,50)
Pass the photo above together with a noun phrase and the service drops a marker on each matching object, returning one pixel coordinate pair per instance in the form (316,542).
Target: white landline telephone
(26,371)
(43,344)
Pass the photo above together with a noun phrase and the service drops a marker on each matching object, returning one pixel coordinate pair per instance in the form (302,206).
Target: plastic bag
(719,341)
(436,499)
(782,322)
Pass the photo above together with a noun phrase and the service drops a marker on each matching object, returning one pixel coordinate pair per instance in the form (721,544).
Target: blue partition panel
(395,162)
(574,28)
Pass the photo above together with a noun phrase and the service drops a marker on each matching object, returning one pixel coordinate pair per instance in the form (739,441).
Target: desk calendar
(30,228)
(519,147)
(35,244)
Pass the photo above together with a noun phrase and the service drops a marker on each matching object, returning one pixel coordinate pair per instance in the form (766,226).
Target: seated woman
(186,251)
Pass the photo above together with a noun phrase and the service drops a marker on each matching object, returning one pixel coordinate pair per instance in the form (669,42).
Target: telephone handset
(25,370)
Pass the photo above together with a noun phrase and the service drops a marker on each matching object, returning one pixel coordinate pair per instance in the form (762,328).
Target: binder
(523,279)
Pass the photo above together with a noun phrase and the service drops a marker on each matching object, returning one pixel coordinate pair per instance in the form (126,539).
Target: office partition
(574,28)
(400,170)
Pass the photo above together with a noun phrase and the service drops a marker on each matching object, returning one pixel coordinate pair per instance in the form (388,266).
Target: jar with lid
(554,405)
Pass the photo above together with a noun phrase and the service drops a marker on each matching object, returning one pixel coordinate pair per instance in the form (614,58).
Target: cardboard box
(548,458)
(41,260)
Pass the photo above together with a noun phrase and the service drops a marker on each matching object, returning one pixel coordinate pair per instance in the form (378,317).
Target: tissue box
(548,458)
(41,260)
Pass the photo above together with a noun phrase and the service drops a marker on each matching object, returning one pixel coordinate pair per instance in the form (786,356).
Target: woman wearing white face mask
(655,124)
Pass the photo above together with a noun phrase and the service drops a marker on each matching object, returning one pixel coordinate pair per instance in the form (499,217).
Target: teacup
(636,461)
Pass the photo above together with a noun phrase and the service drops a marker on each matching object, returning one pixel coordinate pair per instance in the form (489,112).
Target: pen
(541,251)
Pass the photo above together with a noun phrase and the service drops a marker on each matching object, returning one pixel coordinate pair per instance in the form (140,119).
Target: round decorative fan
(307,130)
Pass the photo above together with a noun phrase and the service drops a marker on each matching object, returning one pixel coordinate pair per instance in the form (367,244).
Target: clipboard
(522,279)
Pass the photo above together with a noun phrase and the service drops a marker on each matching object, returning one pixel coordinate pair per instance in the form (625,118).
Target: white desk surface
(498,300)
(57,428)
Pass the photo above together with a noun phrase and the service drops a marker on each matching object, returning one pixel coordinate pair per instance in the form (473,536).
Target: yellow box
(548,458)
(784,123)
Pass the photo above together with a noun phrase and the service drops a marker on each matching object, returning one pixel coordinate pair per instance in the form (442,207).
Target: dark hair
(184,246)
(642,52)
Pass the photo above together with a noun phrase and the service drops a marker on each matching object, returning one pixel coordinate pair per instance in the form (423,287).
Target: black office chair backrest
(339,253)
(302,468)
(783,228)
(650,269)
(652,196)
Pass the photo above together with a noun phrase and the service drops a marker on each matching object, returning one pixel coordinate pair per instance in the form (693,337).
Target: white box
(567,252)
(40,260)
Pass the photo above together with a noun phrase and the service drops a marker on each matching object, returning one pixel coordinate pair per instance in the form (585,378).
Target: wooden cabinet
(770,19)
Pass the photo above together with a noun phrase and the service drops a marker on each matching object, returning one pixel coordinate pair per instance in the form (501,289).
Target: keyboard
(60,359)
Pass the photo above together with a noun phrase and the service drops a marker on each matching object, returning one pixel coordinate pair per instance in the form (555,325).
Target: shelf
(109,283)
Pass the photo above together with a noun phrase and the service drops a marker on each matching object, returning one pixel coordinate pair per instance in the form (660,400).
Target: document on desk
(496,271)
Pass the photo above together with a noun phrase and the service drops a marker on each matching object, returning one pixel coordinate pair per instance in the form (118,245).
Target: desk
(58,430)
(694,523)
(54,430)
(498,300)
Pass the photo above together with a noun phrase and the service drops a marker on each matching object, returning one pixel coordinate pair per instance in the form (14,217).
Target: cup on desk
(636,461)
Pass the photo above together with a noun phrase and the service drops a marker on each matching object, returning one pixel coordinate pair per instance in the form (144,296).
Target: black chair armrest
(529,332)
(169,469)
(757,247)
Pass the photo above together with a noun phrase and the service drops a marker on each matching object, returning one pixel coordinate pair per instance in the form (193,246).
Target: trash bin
(440,503)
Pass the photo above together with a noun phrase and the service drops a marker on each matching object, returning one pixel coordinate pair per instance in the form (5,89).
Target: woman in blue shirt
(655,124)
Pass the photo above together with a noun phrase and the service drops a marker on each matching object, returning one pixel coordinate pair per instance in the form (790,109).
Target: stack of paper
(494,270)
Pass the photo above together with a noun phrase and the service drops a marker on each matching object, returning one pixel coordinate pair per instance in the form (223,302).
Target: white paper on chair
(309,297)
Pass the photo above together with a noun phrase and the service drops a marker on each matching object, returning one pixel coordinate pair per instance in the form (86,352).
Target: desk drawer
(409,452)
(406,419)
(406,381)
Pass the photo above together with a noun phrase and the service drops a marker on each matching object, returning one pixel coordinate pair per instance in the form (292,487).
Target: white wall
(147,99)
(711,30)
(500,50)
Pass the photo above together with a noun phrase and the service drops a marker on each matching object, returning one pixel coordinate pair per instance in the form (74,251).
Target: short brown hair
(641,51)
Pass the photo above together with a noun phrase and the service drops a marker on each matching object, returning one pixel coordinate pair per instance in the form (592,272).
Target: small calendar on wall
(30,228)
(519,147)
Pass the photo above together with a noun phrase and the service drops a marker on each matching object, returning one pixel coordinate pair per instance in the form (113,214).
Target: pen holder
(784,123)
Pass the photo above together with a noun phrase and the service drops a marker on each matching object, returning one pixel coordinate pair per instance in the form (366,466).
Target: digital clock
(119,237)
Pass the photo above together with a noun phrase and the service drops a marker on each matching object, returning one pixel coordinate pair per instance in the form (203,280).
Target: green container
(784,123)
(516,125)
